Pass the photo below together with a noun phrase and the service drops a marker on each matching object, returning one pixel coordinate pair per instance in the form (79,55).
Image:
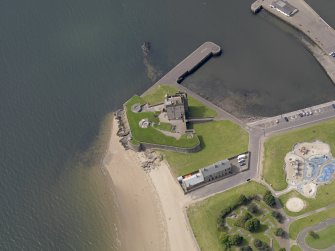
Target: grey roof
(175,112)
(284,7)
(219,166)
(193,180)
(175,106)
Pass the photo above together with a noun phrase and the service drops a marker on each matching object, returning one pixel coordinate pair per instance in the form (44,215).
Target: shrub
(280,232)
(269,199)
(258,243)
(252,225)
(282,249)
(252,208)
(241,220)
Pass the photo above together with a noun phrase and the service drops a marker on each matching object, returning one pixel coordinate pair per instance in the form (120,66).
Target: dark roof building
(284,7)
(216,170)
(176,106)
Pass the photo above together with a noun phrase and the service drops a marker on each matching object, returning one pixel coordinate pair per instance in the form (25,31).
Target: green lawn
(295,248)
(156,94)
(164,126)
(203,215)
(324,197)
(150,134)
(197,109)
(325,238)
(276,147)
(219,140)
(299,225)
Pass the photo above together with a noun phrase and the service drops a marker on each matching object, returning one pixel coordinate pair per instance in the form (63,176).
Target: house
(176,106)
(216,170)
(284,7)
(191,181)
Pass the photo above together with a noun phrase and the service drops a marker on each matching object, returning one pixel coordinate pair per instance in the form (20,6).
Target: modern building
(176,106)
(284,7)
(216,170)
(191,181)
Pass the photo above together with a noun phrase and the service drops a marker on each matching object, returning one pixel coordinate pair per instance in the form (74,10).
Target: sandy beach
(151,205)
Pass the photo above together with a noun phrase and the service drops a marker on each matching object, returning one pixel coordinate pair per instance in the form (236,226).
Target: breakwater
(191,63)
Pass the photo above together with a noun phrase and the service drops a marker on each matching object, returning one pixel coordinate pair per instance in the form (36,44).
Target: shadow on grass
(198,111)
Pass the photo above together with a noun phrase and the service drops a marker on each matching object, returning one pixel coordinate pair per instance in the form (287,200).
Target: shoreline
(151,205)
(141,225)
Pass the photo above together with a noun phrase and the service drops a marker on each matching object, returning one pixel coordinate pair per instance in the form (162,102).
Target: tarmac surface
(302,235)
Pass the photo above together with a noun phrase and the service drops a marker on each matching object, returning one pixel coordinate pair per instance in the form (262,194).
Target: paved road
(255,137)
(302,235)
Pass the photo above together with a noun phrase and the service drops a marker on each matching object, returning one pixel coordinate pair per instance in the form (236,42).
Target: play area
(309,165)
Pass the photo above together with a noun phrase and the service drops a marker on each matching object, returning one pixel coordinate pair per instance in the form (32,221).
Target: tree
(252,208)
(230,240)
(313,234)
(278,216)
(269,199)
(252,225)
(280,232)
(236,240)
(242,200)
(246,248)
(260,245)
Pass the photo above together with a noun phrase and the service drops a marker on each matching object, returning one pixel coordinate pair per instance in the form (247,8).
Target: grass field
(203,216)
(197,109)
(325,238)
(324,197)
(276,147)
(295,248)
(219,140)
(150,134)
(299,225)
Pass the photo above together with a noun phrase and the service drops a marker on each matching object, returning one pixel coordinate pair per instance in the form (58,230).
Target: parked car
(286,119)
(333,105)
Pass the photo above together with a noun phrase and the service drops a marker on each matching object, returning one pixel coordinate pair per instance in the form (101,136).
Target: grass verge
(219,140)
(324,240)
(203,215)
(295,248)
(324,197)
(276,147)
(299,225)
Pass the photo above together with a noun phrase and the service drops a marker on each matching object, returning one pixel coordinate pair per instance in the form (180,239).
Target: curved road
(302,235)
